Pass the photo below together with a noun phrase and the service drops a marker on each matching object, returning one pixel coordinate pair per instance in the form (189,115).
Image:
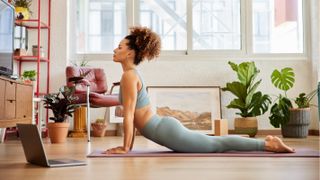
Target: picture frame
(115,114)
(196,107)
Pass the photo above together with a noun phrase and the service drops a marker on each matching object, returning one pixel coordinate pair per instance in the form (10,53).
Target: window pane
(277,26)
(100,25)
(216,24)
(168,19)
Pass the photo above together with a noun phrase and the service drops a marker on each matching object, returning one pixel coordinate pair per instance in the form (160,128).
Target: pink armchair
(91,89)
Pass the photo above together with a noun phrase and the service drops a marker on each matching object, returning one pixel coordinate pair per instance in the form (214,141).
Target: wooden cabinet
(15,103)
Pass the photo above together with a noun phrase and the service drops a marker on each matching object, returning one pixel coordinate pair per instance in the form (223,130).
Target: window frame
(244,53)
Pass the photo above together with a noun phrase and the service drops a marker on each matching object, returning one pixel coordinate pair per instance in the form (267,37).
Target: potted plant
(29,77)
(249,101)
(99,127)
(22,8)
(294,122)
(62,106)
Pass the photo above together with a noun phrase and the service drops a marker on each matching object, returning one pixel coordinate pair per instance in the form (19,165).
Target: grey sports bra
(142,97)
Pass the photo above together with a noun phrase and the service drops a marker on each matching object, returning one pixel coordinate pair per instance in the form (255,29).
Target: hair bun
(147,41)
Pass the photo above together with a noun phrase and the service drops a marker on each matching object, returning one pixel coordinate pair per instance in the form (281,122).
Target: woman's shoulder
(130,75)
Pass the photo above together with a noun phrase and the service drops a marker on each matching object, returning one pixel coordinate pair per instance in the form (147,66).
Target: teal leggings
(169,132)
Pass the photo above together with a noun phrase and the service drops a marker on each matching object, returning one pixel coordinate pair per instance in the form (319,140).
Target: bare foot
(275,144)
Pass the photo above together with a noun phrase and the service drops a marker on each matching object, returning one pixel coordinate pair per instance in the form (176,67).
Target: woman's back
(143,110)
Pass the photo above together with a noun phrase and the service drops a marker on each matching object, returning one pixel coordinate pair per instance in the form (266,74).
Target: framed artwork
(115,114)
(196,107)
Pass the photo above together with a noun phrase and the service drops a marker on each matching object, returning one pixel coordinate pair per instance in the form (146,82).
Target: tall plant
(249,101)
(283,80)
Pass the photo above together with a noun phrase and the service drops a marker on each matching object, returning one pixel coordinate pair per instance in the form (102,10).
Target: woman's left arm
(129,97)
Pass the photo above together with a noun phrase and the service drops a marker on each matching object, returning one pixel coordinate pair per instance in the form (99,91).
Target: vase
(22,13)
(58,132)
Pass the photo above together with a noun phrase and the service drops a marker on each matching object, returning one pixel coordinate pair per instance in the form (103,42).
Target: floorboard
(13,164)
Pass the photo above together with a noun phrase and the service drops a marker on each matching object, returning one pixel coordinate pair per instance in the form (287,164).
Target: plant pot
(298,124)
(58,132)
(247,125)
(22,13)
(99,129)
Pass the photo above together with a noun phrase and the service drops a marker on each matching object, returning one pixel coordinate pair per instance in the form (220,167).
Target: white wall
(315,55)
(168,71)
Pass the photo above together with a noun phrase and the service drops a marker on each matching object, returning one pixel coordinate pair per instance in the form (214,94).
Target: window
(195,25)
(100,25)
(216,24)
(169,19)
(277,26)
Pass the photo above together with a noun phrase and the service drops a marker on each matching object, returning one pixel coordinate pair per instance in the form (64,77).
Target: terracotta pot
(58,132)
(99,129)
(248,125)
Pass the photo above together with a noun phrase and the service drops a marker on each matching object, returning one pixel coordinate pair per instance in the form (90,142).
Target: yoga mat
(304,153)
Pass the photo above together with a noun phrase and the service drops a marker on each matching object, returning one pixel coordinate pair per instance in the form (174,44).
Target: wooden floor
(13,164)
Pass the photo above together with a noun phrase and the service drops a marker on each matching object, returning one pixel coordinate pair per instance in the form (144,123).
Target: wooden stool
(79,123)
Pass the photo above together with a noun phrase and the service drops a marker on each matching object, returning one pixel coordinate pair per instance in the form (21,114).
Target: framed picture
(115,114)
(196,107)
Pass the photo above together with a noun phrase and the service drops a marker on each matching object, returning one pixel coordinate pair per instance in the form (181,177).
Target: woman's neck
(128,67)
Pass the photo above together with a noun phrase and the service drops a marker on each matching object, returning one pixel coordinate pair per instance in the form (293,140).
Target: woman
(143,44)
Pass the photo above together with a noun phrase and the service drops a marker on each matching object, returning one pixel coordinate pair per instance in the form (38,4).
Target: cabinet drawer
(23,101)
(10,109)
(2,91)
(10,93)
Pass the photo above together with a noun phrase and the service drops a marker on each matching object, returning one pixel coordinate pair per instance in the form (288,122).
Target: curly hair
(144,42)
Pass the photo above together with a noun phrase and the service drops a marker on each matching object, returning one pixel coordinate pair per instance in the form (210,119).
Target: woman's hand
(116,150)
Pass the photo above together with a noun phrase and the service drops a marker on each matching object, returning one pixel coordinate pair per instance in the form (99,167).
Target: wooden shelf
(30,59)
(32,24)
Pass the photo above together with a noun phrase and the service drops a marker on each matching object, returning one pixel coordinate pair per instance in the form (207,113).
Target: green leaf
(280,112)
(260,104)
(237,89)
(233,66)
(283,80)
(251,92)
(238,104)
(248,101)
(247,72)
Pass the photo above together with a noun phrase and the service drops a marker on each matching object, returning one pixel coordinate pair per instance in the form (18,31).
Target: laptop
(34,151)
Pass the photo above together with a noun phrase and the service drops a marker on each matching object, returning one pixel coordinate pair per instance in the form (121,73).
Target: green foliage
(22,3)
(282,80)
(61,106)
(31,75)
(303,100)
(249,101)
(280,112)
(83,62)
